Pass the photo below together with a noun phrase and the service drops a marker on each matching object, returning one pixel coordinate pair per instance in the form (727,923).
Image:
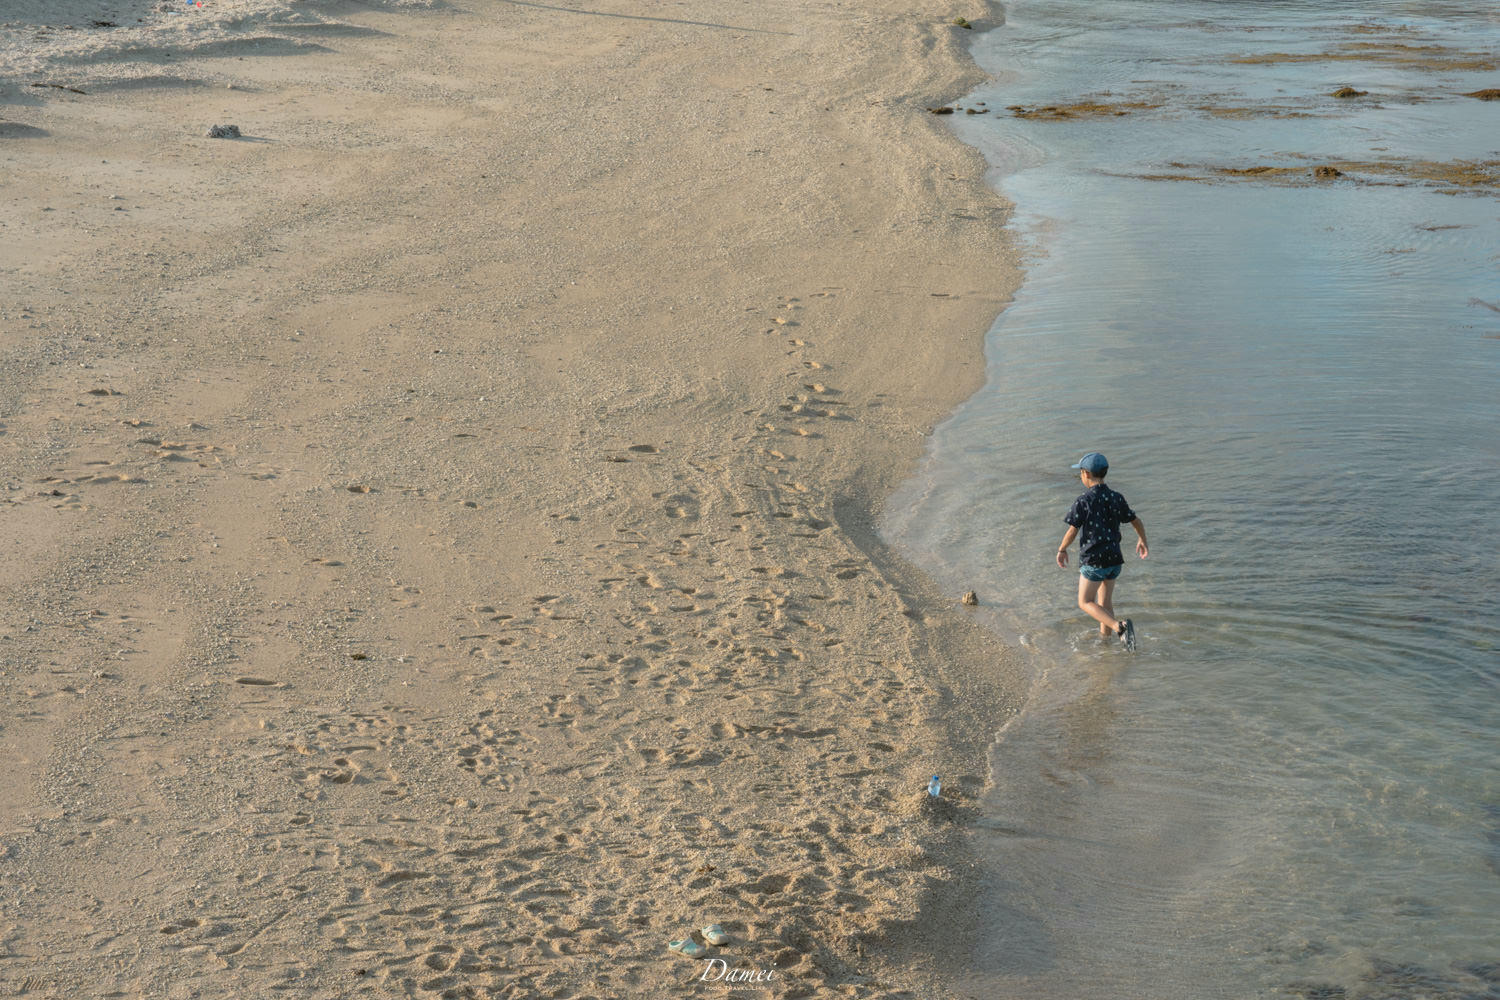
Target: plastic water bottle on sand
(934,787)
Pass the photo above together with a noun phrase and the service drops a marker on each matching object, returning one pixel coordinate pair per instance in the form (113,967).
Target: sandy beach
(438,542)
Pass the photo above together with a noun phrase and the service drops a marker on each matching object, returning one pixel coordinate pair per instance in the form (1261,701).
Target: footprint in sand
(767,885)
(484,758)
(178,926)
(683,506)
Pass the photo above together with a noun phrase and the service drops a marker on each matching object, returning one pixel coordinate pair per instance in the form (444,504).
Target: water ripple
(1288,782)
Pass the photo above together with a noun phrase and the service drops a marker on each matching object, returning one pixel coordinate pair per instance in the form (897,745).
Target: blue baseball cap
(1093,463)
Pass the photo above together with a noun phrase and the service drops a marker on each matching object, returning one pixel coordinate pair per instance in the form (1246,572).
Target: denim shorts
(1100,573)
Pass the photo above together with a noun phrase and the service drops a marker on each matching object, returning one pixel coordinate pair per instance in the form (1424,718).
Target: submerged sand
(439,548)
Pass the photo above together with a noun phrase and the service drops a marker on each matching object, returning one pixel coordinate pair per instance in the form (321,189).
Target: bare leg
(1088,591)
(1106,601)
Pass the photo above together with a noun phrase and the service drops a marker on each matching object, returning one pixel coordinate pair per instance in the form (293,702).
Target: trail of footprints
(149,456)
(357,750)
(747,629)
(692,638)
(463,909)
(494,754)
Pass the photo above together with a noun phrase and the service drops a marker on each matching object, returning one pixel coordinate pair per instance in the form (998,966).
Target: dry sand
(438,553)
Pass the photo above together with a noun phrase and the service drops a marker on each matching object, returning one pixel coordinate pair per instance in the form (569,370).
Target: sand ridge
(441,552)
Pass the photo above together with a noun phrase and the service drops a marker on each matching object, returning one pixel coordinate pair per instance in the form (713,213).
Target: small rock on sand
(224,132)
(971,599)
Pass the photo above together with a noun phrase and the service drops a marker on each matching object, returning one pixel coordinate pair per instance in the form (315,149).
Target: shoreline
(1160,826)
(500,573)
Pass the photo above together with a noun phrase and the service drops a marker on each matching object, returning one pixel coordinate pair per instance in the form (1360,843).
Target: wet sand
(439,553)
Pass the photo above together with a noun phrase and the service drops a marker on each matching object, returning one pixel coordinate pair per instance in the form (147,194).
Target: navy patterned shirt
(1097,515)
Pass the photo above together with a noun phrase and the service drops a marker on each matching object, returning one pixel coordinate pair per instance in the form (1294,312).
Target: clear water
(1293,788)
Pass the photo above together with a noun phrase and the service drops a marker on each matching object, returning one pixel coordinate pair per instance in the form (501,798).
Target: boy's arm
(1140,545)
(1062,550)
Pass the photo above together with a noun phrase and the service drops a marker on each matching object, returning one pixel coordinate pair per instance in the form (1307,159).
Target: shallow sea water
(1293,788)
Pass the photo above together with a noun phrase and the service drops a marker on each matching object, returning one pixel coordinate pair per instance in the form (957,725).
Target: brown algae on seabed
(1421,57)
(1450,177)
(1084,109)
(1382,29)
(1316,107)
(1254,111)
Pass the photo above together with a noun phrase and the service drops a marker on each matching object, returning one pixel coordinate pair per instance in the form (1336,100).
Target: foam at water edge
(70,42)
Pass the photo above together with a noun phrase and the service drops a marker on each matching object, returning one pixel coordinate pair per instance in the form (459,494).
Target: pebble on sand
(224,132)
(971,599)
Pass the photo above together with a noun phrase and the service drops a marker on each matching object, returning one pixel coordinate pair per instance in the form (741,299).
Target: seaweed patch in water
(1402,980)
(1488,971)
(1422,57)
(1492,830)
(1408,981)
(1451,176)
(1368,28)
(1083,109)
(1317,991)
(1253,111)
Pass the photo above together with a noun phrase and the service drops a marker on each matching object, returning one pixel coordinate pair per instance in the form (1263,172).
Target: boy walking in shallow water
(1095,519)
